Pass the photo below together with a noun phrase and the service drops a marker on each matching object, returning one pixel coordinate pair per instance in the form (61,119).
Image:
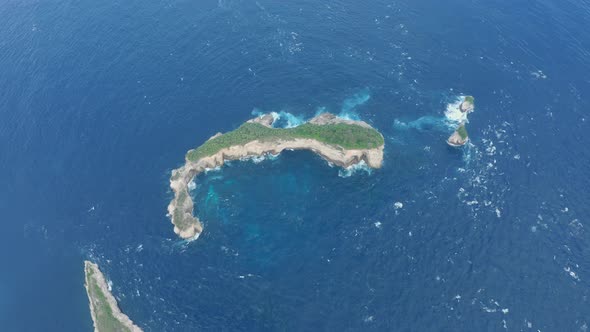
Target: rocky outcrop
(180,209)
(457,139)
(460,137)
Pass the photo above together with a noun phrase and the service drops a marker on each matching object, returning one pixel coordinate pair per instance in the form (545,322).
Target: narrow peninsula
(339,141)
(106,315)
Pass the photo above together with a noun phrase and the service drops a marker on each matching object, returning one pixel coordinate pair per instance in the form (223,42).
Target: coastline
(181,208)
(104,310)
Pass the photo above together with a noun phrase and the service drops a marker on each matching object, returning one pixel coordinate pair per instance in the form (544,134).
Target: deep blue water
(100,100)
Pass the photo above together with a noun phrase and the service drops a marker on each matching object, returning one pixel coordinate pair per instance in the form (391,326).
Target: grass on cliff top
(470,99)
(462,132)
(105,320)
(344,135)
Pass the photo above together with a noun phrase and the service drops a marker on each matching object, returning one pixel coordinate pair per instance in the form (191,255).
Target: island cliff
(106,315)
(339,141)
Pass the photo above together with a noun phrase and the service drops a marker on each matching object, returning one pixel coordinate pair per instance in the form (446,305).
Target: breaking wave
(355,169)
(453,112)
(452,117)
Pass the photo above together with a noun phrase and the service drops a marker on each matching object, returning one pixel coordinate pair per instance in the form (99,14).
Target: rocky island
(339,141)
(106,315)
(460,136)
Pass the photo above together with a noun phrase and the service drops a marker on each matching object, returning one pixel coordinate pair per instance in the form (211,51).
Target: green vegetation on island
(347,136)
(341,142)
(470,99)
(462,131)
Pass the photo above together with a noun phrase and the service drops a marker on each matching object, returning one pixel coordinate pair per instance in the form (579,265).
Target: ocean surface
(100,100)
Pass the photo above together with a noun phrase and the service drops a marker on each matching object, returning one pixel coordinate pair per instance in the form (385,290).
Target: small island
(460,136)
(339,141)
(106,315)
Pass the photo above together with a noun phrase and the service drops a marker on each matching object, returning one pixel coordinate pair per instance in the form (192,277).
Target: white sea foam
(284,119)
(356,168)
(192,185)
(189,240)
(571,273)
(260,158)
(538,74)
(257,112)
(214,169)
(453,112)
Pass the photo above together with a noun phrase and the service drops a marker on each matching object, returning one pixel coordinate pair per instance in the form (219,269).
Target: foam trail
(428,122)
(257,112)
(352,102)
(320,110)
(453,116)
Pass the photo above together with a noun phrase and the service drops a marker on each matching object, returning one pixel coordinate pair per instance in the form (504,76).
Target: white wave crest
(354,169)
(192,185)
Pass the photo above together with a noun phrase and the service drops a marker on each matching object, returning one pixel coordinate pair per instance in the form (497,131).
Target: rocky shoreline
(180,209)
(105,312)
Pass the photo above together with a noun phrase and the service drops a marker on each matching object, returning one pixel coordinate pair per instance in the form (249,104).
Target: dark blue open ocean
(100,100)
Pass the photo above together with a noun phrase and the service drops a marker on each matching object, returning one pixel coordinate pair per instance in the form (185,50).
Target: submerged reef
(339,141)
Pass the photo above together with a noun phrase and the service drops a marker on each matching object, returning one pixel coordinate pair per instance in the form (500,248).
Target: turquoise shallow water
(100,101)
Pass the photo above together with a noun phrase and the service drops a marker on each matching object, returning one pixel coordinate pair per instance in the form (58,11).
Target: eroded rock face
(180,209)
